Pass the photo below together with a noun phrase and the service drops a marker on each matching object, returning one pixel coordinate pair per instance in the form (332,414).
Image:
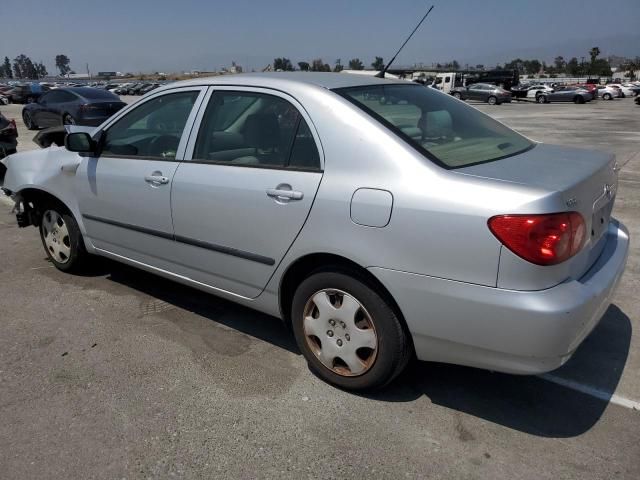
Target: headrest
(261,130)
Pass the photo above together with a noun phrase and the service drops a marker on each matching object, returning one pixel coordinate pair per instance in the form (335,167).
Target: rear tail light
(546,239)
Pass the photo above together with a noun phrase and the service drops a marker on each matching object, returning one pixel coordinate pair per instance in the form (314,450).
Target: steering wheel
(163,146)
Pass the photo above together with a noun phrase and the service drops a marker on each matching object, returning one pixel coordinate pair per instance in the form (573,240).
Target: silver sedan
(381,219)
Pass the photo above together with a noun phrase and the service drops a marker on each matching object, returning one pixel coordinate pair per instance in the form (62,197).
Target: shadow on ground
(525,403)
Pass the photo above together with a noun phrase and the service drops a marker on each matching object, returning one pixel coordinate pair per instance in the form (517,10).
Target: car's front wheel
(457,95)
(62,239)
(349,334)
(607,96)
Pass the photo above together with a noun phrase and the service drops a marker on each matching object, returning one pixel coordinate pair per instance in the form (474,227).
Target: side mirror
(80,142)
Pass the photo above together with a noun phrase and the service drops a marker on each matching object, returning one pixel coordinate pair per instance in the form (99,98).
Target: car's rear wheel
(492,100)
(62,239)
(457,95)
(350,336)
(607,96)
(28,121)
(541,99)
(68,120)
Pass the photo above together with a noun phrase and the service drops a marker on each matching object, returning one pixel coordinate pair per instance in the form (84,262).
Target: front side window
(153,130)
(448,132)
(255,129)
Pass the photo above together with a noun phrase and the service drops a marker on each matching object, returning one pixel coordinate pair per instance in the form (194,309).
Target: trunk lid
(579,180)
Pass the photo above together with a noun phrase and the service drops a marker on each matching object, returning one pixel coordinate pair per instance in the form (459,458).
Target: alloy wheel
(56,236)
(340,332)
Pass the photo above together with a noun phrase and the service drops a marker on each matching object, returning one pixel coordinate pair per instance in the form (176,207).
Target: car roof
(328,80)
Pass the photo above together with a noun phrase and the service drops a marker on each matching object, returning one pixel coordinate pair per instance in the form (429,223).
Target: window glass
(445,130)
(245,128)
(54,96)
(304,153)
(151,130)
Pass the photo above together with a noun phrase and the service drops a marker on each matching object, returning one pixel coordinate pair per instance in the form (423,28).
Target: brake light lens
(546,239)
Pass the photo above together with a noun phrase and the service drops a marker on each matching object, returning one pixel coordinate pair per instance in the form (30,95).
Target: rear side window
(445,130)
(255,129)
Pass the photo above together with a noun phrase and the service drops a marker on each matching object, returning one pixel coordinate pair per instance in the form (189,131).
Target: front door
(242,199)
(125,193)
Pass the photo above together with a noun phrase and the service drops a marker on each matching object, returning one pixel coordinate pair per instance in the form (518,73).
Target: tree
(479,67)
(516,64)
(282,64)
(630,67)
(304,66)
(338,67)
(573,67)
(317,65)
(593,53)
(559,63)
(378,63)
(455,65)
(531,67)
(356,64)
(6,68)
(23,67)
(62,64)
(17,73)
(41,70)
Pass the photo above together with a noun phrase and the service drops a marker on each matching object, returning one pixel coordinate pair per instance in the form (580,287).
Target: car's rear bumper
(512,331)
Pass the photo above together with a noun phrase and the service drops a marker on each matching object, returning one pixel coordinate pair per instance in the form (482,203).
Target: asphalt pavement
(121,374)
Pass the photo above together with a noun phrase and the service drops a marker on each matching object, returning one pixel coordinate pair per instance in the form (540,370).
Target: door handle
(156,178)
(279,194)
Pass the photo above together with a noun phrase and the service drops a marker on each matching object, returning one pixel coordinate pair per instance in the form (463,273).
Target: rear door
(242,195)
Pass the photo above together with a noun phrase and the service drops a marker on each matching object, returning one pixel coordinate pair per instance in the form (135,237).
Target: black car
(637,100)
(71,106)
(148,88)
(8,140)
(26,93)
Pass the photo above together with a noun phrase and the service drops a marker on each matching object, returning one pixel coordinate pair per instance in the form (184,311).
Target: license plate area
(601,216)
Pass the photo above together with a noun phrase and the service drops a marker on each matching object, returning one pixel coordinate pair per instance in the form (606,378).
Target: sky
(171,36)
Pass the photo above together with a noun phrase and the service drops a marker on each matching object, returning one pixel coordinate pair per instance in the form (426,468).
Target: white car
(628,89)
(608,92)
(535,90)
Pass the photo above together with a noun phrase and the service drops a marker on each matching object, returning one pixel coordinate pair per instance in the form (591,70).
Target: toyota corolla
(379,231)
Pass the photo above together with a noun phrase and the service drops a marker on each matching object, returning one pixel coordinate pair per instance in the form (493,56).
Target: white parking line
(592,392)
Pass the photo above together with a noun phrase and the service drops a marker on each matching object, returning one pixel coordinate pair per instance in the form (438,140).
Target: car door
(124,193)
(242,196)
(474,92)
(40,112)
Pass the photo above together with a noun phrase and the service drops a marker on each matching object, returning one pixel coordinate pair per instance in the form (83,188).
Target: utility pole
(88,73)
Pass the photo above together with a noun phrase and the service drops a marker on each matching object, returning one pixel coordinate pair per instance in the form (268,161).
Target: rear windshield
(446,130)
(95,93)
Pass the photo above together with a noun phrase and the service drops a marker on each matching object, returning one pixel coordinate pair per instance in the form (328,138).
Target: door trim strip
(254,257)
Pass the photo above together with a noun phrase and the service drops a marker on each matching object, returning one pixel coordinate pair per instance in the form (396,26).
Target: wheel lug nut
(342,324)
(330,333)
(339,342)
(347,337)
(332,323)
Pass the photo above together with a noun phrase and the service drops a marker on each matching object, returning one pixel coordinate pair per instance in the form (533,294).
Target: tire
(541,99)
(492,100)
(68,119)
(28,121)
(607,96)
(457,95)
(62,239)
(383,352)
(578,100)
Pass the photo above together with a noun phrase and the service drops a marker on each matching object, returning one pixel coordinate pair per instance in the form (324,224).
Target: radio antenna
(384,70)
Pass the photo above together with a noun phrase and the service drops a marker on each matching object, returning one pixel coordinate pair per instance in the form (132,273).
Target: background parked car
(26,93)
(8,141)
(637,99)
(484,92)
(607,92)
(628,89)
(565,94)
(535,90)
(148,88)
(71,106)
